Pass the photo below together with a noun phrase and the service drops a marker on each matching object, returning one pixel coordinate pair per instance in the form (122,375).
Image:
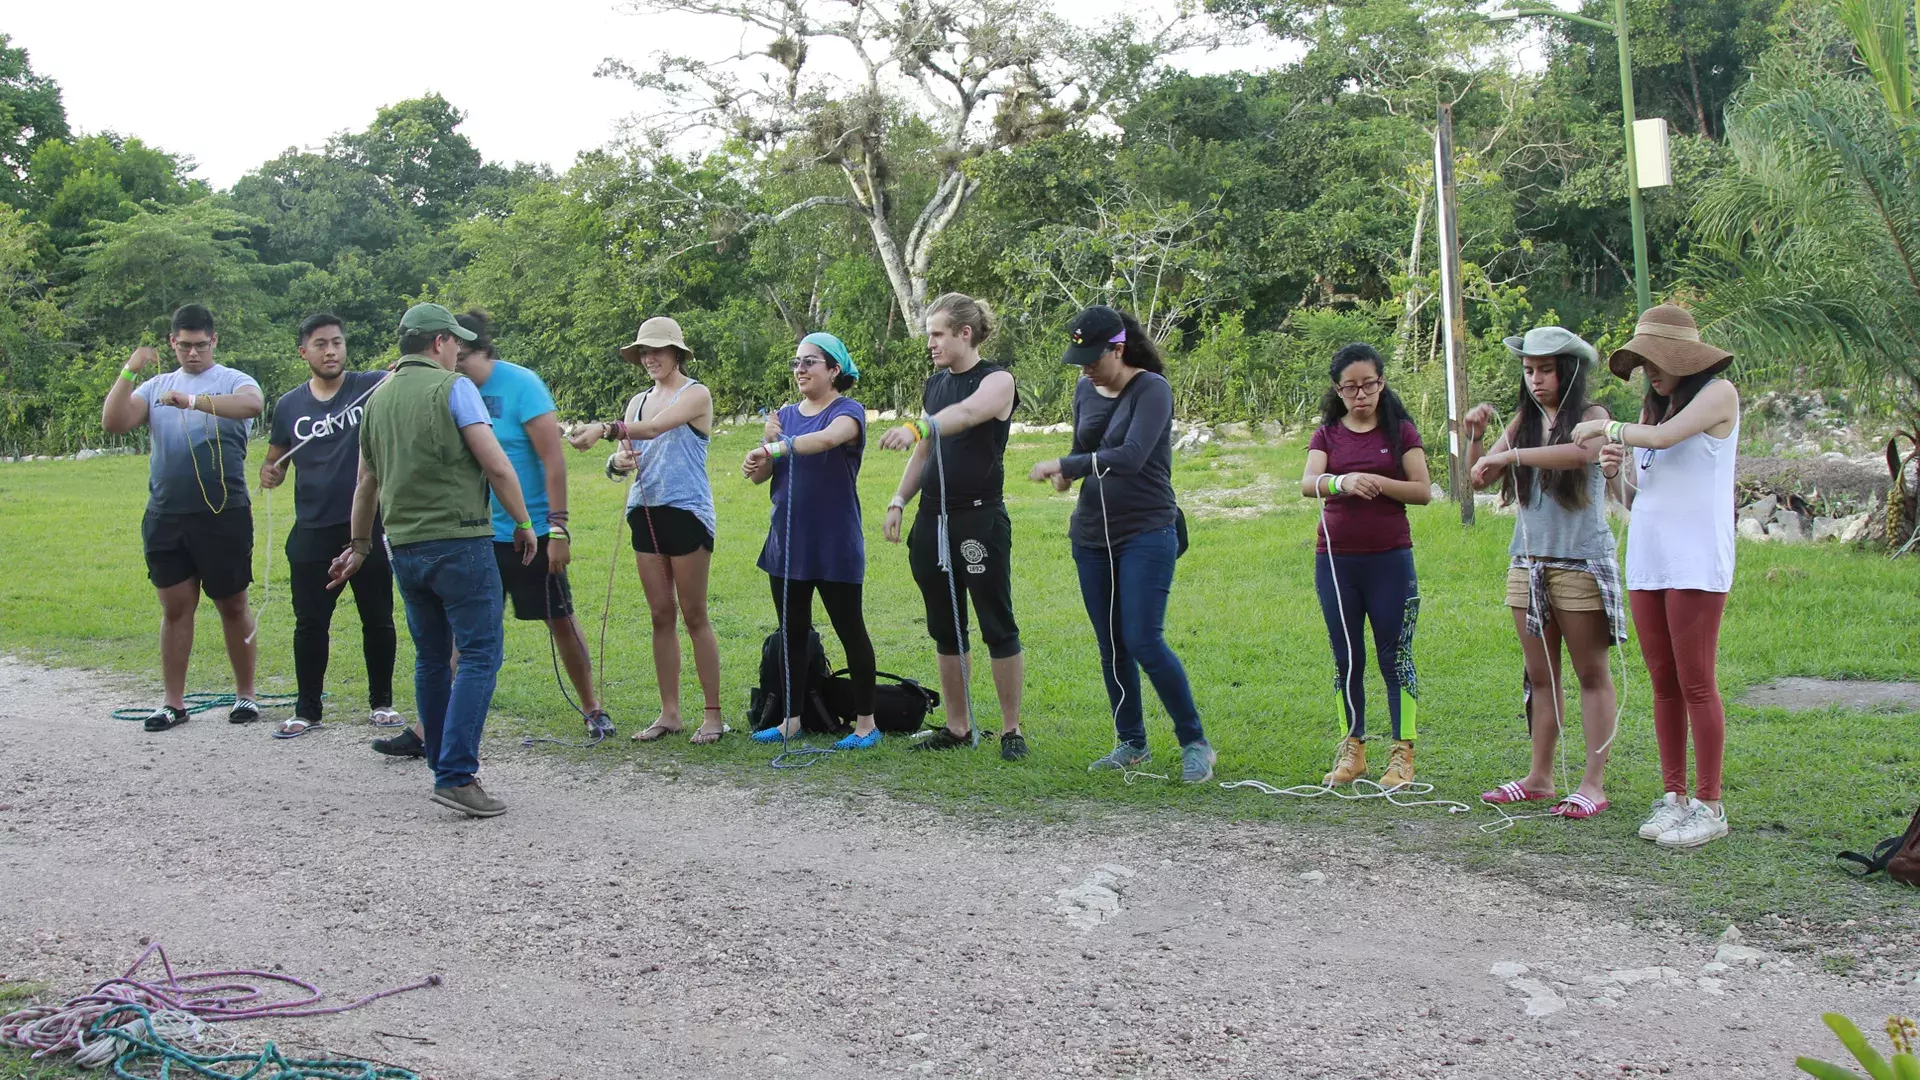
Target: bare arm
(1713,411)
(123,410)
(1417,488)
(366,503)
(910,479)
(544,432)
(1313,481)
(273,471)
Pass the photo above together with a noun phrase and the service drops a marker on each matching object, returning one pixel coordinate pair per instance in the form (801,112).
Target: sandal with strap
(654,732)
(1511,792)
(294,727)
(1577,806)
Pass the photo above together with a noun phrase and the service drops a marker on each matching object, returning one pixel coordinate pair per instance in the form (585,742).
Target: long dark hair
(1567,486)
(1138,351)
(1658,409)
(1392,413)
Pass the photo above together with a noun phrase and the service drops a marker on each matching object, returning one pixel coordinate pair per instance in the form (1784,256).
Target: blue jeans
(452,593)
(1129,623)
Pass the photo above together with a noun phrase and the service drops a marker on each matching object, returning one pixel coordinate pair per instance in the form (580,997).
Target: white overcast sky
(234,82)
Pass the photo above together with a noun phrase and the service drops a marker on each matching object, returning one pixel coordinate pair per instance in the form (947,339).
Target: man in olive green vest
(427,454)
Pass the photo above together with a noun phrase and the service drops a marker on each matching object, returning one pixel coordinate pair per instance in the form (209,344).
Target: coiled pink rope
(214,996)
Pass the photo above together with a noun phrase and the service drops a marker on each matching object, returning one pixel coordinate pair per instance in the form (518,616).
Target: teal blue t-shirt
(515,395)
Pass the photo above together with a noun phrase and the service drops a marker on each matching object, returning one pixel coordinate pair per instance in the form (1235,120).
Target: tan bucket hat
(655,333)
(1667,337)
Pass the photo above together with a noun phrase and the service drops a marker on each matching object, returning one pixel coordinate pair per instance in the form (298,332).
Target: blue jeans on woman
(1126,598)
(452,593)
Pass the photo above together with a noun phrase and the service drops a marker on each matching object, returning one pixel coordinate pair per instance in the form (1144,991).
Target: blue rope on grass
(199,703)
(147,1048)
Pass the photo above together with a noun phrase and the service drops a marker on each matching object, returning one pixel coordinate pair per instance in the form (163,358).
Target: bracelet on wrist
(527,525)
(557,531)
(897,503)
(129,375)
(362,545)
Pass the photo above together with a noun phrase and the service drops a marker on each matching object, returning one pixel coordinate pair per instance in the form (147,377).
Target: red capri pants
(1680,639)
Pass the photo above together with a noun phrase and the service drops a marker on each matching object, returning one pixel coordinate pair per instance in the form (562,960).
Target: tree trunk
(1406,339)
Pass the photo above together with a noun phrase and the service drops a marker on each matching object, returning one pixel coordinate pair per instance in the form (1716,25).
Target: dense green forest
(1254,220)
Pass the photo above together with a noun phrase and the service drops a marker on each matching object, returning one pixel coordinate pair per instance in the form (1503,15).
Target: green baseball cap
(433,319)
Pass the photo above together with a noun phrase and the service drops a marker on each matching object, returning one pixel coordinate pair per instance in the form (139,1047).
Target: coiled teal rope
(147,1047)
(199,703)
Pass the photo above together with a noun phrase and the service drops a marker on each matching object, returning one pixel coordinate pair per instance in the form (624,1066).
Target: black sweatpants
(842,601)
(313,605)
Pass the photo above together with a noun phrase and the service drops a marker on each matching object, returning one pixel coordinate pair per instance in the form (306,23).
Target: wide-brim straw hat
(657,332)
(1668,338)
(1552,341)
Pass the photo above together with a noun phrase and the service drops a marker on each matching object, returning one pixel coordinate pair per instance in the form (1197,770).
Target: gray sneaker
(1196,762)
(1123,756)
(470,799)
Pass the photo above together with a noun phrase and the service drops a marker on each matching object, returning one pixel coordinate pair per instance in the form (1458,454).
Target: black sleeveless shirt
(975,459)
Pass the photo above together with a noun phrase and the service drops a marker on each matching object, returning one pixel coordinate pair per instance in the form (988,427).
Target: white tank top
(1681,533)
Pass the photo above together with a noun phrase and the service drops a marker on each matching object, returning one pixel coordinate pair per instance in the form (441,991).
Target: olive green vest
(431,488)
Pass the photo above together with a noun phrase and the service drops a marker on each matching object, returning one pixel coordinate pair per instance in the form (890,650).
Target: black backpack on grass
(764,702)
(1899,855)
(900,705)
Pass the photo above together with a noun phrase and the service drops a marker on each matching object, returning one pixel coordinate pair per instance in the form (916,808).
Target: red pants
(1680,639)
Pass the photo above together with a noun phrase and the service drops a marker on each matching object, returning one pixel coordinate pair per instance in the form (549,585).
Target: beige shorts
(1567,590)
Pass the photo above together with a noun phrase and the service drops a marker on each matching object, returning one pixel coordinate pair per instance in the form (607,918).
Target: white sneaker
(1703,824)
(1670,811)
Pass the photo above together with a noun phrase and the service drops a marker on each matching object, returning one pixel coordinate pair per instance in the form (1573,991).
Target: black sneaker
(165,717)
(405,744)
(244,711)
(942,739)
(1013,747)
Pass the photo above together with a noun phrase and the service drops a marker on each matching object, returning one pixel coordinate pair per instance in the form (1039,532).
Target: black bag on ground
(899,707)
(1899,855)
(764,701)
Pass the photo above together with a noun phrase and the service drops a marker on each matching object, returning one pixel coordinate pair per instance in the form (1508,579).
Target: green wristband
(527,525)
(128,375)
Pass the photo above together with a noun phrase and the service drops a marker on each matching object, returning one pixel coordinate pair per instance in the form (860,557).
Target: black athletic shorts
(680,532)
(216,548)
(982,543)
(536,594)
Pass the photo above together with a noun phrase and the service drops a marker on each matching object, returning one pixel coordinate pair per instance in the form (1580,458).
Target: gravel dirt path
(624,923)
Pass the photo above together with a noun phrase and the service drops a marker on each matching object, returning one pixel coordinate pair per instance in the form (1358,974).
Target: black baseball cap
(1093,332)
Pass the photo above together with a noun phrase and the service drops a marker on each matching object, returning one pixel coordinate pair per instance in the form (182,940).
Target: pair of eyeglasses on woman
(805,363)
(1365,389)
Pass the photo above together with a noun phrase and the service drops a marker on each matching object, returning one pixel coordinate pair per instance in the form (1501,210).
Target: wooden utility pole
(1453,312)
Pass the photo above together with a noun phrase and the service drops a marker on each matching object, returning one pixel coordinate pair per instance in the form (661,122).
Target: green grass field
(1245,621)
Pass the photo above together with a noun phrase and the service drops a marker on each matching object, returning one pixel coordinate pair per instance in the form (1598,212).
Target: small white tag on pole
(1650,151)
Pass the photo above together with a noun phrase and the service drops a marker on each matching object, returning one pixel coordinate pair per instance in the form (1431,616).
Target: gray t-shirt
(195,452)
(1549,530)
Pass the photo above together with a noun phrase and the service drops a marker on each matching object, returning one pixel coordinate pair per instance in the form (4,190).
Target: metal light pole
(1643,290)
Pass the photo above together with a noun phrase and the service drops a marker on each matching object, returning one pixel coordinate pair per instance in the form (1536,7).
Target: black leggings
(842,601)
(313,605)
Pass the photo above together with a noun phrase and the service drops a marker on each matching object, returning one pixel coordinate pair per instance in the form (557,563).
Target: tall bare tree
(895,96)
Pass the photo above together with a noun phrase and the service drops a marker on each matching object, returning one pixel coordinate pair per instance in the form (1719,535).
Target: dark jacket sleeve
(1149,413)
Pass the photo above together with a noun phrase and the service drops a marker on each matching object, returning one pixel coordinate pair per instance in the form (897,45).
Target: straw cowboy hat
(1668,338)
(655,333)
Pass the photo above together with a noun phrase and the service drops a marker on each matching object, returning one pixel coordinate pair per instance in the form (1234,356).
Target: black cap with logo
(1092,333)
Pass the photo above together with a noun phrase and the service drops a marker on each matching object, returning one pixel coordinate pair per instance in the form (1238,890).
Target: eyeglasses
(193,346)
(805,363)
(1646,459)
(1355,390)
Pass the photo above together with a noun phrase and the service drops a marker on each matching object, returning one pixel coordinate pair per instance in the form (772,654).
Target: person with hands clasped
(968,405)
(1563,582)
(816,446)
(1679,552)
(1366,461)
(198,529)
(427,458)
(664,437)
(1127,530)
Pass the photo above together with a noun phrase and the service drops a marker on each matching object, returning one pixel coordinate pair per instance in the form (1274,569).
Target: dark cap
(1091,333)
(433,319)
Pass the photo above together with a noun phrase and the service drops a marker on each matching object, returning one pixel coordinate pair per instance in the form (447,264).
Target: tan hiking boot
(1352,764)
(470,799)
(1399,765)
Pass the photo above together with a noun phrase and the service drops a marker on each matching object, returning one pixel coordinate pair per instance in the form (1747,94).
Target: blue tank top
(673,468)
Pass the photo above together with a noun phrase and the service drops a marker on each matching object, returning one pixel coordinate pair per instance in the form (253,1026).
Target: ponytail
(1138,352)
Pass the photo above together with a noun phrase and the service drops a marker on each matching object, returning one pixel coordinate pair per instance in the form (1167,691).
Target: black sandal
(244,711)
(165,718)
(942,739)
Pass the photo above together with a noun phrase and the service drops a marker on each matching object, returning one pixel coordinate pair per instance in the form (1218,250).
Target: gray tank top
(1551,531)
(673,468)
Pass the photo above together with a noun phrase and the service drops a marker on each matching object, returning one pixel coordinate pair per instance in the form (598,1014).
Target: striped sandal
(1511,792)
(1578,807)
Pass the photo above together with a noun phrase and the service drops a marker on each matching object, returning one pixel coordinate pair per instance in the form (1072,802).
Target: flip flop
(305,726)
(653,733)
(386,718)
(708,738)
(1512,792)
(1577,807)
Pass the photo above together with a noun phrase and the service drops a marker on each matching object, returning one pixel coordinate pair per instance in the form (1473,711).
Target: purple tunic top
(828,544)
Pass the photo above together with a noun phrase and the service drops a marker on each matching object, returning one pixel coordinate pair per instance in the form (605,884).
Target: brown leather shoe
(1399,765)
(1352,764)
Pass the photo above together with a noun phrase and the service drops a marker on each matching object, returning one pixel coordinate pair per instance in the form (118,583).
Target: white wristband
(191,398)
(897,503)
